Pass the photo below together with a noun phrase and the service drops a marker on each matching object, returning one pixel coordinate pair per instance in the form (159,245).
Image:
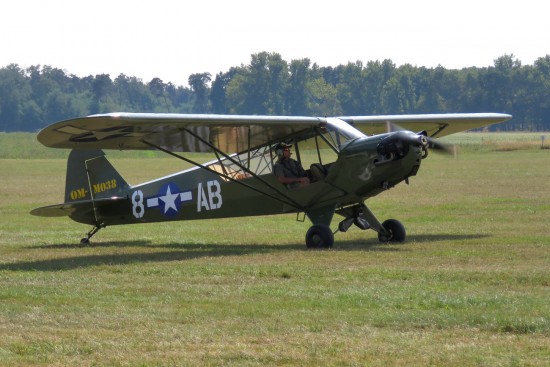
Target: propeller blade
(437,146)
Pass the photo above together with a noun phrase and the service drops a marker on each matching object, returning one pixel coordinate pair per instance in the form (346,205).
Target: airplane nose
(423,140)
(377,162)
(391,145)
(397,145)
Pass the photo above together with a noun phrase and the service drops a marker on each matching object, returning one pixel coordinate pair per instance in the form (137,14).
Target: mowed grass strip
(469,287)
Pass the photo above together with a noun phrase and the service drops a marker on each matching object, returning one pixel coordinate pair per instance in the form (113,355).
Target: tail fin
(91,176)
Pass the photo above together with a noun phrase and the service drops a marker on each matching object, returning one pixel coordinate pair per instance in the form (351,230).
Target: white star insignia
(169,200)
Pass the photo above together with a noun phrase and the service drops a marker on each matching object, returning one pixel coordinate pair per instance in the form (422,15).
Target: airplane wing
(230,133)
(174,132)
(436,125)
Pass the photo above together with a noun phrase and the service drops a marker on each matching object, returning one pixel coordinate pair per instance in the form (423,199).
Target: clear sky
(173,39)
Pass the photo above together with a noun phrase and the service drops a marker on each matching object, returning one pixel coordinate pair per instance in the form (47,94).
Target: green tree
(14,96)
(278,84)
(199,85)
(540,94)
(132,95)
(377,74)
(323,99)
(260,87)
(40,95)
(352,88)
(218,98)
(297,95)
(101,88)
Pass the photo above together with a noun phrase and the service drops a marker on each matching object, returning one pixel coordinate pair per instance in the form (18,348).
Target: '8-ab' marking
(170,199)
(137,204)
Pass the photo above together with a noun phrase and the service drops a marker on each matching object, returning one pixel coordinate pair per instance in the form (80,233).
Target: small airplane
(350,159)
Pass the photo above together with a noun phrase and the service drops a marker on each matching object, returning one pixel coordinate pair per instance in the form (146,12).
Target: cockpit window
(240,166)
(320,145)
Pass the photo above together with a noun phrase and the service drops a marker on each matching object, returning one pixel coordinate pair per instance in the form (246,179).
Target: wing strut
(289,201)
(441,128)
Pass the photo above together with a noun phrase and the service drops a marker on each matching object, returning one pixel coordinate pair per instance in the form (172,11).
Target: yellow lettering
(104,186)
(78,194)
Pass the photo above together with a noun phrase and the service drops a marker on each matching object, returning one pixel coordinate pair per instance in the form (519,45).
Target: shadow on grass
(183,252)
(94,244)
(172,252)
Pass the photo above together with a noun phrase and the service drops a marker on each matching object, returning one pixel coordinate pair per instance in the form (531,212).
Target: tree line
(36,96)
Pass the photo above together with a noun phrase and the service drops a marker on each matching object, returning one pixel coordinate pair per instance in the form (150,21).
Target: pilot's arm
(290,180)
(279,172)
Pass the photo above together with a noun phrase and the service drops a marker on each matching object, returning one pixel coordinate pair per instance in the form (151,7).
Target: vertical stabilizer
(91,176)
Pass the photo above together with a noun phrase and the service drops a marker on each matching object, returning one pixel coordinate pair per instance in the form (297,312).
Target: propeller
(396,145)
(436,145)
(432,143)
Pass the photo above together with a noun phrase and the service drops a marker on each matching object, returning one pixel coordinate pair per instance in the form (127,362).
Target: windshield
(341,133)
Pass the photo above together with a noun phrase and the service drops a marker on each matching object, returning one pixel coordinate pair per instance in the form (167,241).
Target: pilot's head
(283,150)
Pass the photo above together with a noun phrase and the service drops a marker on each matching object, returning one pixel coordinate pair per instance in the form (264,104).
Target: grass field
(470,287)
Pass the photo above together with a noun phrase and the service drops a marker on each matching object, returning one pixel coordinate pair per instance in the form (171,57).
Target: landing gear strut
(390,231)
(86,240)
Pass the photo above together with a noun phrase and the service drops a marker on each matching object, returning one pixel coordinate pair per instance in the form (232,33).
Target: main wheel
(396,231)
(319,236)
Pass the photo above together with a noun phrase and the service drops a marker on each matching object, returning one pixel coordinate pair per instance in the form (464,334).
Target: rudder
(91,176)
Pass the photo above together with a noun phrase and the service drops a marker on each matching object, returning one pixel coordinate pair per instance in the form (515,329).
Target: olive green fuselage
(359,172)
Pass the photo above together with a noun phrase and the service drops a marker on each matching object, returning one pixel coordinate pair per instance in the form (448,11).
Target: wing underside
(174,132)
(436,125)
(230,133)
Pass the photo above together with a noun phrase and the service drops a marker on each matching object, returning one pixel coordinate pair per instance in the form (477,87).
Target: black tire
(396,230)
(319,236)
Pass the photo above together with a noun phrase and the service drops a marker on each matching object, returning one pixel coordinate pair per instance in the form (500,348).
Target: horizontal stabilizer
(83,211)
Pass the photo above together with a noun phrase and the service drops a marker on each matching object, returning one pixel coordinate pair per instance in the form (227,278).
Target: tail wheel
(319,236)
(395,229)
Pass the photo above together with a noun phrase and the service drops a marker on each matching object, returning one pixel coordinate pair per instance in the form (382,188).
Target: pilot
(289,171)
